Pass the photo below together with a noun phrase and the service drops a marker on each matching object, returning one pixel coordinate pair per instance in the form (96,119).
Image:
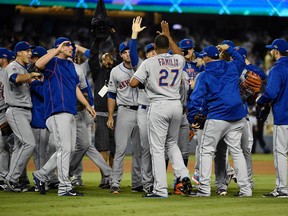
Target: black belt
(143,106)
(26,108)
(131,107)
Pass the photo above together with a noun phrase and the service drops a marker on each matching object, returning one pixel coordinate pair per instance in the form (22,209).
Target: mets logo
(187,42)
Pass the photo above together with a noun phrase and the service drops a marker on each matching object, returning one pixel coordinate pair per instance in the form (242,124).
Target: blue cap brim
(269,47)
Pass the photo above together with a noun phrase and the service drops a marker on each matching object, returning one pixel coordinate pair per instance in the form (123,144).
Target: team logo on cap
(187,42)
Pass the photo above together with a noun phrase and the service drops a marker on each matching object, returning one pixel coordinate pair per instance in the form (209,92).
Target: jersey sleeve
(82,80)
(141,73)
(12,70)
(112,85)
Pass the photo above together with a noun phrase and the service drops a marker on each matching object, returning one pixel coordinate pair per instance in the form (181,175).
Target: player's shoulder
(13,66)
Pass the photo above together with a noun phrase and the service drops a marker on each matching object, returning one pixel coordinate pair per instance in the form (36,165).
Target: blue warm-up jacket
(218,88)
(277,91)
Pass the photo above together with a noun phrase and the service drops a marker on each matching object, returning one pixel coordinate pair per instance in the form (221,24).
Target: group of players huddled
(157,104)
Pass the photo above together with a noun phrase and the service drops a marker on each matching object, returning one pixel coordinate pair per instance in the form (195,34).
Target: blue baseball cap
(279,44)
(186,44)
(39,51)
(242,51)
(11,55)
(22,46)
(4,53)
(149,47)
(210,51)
(60,40)
(228,42)
(124,46)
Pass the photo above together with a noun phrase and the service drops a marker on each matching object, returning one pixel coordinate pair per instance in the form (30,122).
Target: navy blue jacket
(218,89)
(277,91)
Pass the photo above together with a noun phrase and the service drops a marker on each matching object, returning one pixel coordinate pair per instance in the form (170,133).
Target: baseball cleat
(115,189)
(53,185)
(39,185)
(72,193)
(239,194)
(3,185)
(198,193)
(153,195)
(276,194)
(137,189)
(77,182)
(25,186)
(148,189)
(221,192)
(13,186)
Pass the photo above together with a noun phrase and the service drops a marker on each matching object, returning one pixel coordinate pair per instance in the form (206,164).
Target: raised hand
(136,25)
(164,28)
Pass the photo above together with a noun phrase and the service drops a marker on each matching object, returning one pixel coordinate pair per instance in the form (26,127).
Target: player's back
(164,76)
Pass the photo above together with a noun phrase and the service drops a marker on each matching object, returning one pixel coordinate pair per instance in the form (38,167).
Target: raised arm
(136,28)
(173,46)
(41,63)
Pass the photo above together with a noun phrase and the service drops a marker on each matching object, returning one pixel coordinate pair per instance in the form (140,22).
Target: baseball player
(225,114)
(126,127)
(60,116)
(44,148)
(18,115)
(162,76)
(276,93)
(147,176)
(4,126)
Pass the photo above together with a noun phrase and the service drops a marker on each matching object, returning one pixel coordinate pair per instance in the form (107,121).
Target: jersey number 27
(164,78)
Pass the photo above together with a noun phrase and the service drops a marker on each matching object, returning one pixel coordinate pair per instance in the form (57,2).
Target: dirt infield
(260,167)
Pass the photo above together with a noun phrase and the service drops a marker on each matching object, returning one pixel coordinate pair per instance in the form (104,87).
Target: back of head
(4,53)
(39,51)
(161,42)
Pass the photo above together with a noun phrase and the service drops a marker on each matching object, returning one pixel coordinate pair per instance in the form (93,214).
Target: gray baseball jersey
(163,73)
(16,94)
(119,83)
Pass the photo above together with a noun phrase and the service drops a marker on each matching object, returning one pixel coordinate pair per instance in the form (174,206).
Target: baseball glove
(200,120)
(262,112)
(250,86)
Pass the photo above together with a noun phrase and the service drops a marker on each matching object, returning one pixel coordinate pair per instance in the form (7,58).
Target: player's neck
(127,65)
(161,51)
(19,60)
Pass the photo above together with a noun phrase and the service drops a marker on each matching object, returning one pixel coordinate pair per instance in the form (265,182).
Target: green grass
(101,202)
